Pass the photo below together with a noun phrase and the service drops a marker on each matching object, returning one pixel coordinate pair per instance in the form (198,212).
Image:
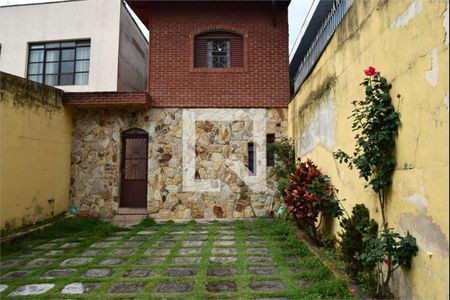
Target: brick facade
(262,82)
(107,99)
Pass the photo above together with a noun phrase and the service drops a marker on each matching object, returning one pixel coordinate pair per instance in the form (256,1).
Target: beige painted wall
(408,42)
(35,147)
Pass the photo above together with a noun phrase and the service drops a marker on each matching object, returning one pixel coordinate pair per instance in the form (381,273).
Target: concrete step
(132,211)
(127,220)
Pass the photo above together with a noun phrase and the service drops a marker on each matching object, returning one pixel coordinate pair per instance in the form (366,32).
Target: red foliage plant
(299,199)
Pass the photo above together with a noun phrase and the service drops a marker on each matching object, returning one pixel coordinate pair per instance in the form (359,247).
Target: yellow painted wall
(35,147)
(407,41)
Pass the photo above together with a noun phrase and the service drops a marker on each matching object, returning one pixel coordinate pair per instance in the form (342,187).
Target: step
(127,220)
(132,211)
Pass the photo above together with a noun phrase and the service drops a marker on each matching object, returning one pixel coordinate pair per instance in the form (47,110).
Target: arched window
(218,49)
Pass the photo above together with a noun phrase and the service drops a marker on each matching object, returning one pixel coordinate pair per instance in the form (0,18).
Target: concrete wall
(133,54)
(97,20)
(35,145)
(408,42)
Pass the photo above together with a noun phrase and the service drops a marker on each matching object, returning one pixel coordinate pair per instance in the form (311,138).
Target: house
(193,145)
(76,45)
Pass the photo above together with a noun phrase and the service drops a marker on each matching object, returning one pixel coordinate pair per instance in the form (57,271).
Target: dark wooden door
(133,192)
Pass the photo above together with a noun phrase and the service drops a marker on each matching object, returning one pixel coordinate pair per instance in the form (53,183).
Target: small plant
(147,221)
(310,194)
(376,123)
(355,228)
(328,240)
(284,162)
(389,252)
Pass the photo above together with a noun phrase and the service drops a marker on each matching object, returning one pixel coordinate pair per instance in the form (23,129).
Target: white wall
(98,20)
(133,55)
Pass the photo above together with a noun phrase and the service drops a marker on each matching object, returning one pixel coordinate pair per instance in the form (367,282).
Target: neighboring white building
(76,45)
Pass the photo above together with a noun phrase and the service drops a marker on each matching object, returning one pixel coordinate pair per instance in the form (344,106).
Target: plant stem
(381,199)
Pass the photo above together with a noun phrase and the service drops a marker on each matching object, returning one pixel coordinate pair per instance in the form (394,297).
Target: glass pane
(82,66)
(52,45)
(81,78)
(84,43)
(37,46)
(35,68)
(36,56)
(51,79)
(66,79)
(67,44)
(51,68)
(83,53)
(52,55)
(67,67)
(37,78)
(68,54)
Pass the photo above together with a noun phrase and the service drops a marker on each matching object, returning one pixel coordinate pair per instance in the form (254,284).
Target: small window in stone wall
(251,158)
(269,154)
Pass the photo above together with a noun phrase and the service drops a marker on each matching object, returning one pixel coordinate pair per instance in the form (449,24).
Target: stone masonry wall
(95,169)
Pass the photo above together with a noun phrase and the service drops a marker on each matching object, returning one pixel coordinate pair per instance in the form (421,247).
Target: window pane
(68,54)
(37,46)
(35,68)
(67,67)
(67,44)
(83,43)
(51,68)
(37,78)
(52,55)
(36,56)
(83,53)
(218,53)
(51,79)
(81,78)
(82,66)
(66,79)
(52,45)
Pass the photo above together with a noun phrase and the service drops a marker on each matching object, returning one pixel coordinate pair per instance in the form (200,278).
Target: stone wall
(95,169)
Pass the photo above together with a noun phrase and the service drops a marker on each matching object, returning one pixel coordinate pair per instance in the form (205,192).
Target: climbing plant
(376,123)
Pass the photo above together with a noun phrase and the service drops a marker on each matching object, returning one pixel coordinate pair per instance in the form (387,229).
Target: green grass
(72,228)
(280,240)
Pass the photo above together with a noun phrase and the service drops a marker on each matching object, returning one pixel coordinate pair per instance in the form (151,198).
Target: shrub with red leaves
(308,194)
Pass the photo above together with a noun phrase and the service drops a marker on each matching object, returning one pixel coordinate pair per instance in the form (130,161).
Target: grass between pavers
(280,240)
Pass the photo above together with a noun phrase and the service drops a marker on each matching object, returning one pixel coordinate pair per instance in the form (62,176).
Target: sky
(298,10)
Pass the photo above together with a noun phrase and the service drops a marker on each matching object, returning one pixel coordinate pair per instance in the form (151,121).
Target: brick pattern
(173,82)
(107,99)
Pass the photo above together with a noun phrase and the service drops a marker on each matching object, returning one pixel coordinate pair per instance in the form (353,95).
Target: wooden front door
(133,192)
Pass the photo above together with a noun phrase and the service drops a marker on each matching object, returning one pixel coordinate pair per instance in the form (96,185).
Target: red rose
(370,71)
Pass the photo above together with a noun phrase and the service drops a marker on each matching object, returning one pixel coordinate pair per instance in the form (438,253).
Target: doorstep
(132,211)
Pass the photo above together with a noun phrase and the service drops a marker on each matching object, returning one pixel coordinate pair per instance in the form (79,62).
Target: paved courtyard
(214,260)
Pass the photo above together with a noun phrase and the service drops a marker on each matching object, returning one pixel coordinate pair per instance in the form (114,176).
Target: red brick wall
(107,99)
(264,80)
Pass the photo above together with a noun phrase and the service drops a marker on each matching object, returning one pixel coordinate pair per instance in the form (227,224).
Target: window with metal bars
(218,50)
(59,63)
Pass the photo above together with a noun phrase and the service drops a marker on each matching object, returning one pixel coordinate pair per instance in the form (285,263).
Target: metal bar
(321,40)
